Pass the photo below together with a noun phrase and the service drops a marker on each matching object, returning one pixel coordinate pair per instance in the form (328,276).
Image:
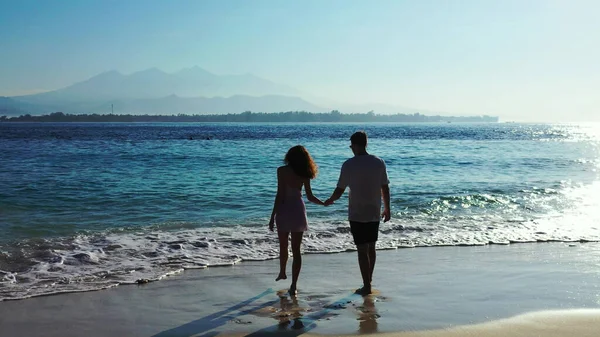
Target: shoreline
(417,291)
(179,273)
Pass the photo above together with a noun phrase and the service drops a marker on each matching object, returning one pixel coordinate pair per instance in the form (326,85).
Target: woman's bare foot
(281,277)
(293,291)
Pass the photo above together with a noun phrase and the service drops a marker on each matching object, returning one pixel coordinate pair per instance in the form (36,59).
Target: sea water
(90,206)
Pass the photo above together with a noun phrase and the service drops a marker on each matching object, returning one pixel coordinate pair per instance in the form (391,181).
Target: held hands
(328,202)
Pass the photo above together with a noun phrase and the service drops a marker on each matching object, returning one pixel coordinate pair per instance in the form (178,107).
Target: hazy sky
(521,59)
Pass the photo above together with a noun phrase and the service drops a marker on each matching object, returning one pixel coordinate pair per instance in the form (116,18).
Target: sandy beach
(543,289)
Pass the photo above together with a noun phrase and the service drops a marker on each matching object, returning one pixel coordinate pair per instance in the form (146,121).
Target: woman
(289,211)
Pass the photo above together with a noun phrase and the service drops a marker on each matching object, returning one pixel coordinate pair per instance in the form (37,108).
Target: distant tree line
(248,116)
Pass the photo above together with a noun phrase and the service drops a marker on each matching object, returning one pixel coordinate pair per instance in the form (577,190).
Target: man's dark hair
(359,138)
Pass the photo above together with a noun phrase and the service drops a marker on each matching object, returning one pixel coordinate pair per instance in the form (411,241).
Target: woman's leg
(297,264)
(283,254)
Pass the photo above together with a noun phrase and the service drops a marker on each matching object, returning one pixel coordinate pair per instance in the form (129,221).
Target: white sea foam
(102,260)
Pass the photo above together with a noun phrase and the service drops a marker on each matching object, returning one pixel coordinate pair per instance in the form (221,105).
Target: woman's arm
(309,194)
(280,192)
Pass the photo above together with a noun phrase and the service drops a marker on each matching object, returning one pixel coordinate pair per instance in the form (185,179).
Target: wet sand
(437,291)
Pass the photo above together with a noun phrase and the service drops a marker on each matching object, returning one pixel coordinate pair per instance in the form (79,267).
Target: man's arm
(337,193)
(385,191)
(341,186)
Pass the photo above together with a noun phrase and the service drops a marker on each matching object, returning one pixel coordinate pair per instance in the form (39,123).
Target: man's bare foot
(364,291)
(281,277)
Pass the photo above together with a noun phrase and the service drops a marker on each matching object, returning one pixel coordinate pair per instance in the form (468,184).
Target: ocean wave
(96,261)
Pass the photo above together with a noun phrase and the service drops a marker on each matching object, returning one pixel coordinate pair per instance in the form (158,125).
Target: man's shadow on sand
(299,326)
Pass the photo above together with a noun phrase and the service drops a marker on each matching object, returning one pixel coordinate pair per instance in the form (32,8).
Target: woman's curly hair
(301,162)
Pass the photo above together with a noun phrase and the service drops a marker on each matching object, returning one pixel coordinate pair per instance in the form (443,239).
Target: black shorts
(364,232)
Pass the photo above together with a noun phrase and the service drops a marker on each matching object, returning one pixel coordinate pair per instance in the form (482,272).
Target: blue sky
(523,60)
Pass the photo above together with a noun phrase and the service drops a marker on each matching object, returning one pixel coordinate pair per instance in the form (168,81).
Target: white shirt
(365,175)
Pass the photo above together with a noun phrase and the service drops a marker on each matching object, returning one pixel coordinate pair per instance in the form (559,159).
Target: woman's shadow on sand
(293,326)
(217,319)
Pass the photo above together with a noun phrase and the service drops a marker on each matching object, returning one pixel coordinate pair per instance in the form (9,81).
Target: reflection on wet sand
(290,312)
(299,316)
(367,316)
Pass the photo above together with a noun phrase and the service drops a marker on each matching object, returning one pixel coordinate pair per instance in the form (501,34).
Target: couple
(366,177)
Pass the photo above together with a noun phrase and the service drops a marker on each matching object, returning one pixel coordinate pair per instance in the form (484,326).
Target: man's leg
(372,259)
(372,236)
(363,239)
(365,268)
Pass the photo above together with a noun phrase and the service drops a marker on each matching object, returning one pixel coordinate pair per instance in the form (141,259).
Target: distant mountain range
(154,83)
(152,91)
(188,91)
(12,107)
(166,105)
(201,105)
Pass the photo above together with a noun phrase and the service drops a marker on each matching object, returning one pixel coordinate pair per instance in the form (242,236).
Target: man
(366,176)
